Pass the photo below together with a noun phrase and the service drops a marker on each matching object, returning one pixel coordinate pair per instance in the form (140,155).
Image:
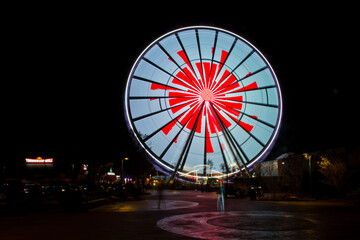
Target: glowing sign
(111,173)
(203,96)
(38,160)
(85,167)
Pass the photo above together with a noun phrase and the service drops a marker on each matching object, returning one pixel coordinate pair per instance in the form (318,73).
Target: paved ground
(190,215)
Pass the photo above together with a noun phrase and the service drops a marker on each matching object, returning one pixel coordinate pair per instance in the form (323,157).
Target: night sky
(66,71)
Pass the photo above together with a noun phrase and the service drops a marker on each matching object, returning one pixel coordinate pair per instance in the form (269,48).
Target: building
(285,164)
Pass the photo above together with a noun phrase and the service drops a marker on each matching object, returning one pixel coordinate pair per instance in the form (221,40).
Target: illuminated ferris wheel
(203,101)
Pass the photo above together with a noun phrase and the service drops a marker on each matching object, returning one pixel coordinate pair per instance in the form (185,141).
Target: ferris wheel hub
(207,94)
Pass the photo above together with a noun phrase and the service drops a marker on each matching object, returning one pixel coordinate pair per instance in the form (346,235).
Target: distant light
(307,156)
(111,172)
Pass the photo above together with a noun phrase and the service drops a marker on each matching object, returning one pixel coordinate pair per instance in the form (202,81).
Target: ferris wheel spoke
(246,128)
(262,104)
(228,137)
(160,111)
(166,127)
(218,119)
(257,119)
(253,73)
(226,165)
(230,84)
(179,79)
(212,74)
(220,146)
(174,139)
(223,60)
(242,61)
(187,74)
(158,84)
(221,99)
(229,107)
(156,97)
(242,152)
(249,88)
(184,118)
(186,59)
(192,133)
(230,74)
(241,79)
(201,68)
(207,143)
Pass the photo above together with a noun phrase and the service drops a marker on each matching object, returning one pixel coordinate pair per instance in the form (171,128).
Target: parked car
(19,190)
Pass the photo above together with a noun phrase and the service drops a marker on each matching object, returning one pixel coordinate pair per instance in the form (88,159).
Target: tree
(211,164)
(222,167)
(292,173)
(334,171)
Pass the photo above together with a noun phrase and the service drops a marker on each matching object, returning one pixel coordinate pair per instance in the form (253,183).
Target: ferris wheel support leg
(186,149)
(223,154)
(230,142)
(242,161)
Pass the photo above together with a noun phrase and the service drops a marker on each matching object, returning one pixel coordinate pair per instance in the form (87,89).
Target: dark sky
(66,70)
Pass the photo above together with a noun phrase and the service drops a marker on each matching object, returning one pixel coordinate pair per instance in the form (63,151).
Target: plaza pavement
(190,215)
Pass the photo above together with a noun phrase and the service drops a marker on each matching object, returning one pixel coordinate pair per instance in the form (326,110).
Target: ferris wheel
(203,96)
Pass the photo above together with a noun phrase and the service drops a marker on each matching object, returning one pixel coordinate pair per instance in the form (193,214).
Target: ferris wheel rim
(132,129)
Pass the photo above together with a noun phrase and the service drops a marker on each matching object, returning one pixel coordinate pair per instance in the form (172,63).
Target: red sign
(85,167)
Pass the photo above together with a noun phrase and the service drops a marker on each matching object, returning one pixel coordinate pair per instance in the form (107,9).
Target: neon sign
(38,160)
(85,167)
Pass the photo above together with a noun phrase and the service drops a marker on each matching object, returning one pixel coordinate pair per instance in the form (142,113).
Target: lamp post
(308,157)
(122,170)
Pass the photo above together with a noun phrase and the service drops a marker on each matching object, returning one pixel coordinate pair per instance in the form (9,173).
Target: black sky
(66,70)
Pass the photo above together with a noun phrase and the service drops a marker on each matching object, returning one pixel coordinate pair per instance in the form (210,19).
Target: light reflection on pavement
(239,225)
(148,205)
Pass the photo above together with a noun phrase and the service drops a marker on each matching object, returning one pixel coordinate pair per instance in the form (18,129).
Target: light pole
(122,171)
(308,157)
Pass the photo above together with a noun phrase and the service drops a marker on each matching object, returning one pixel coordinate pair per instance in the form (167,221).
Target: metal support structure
(186,148)
(229,141)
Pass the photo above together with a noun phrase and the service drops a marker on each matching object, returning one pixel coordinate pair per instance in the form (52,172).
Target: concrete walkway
(189,215)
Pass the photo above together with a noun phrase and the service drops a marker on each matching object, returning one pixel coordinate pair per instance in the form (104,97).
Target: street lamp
(308,157)
(122,170)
